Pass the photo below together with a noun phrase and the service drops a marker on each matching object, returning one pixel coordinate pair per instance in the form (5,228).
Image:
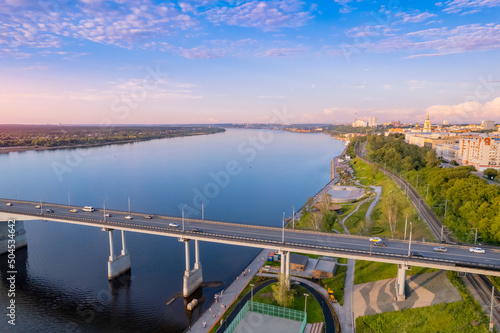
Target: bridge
(457,258)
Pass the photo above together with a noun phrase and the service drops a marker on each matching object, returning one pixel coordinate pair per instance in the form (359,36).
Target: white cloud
(415,18)
(266,15)
(469,6)
(472,110)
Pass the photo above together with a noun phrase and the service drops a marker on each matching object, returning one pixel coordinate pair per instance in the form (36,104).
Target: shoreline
(23,149)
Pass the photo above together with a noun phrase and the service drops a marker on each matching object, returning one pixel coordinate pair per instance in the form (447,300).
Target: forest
(459,198)
(59,135)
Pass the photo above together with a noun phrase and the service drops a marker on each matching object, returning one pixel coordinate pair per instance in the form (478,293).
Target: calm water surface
(62,281)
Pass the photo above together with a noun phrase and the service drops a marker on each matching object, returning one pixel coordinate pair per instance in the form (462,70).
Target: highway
(457,258)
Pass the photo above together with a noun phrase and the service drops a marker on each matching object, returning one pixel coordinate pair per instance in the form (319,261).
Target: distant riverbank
(25,148)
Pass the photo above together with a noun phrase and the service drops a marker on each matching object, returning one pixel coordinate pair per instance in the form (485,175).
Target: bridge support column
(401,282)
(10,229)
(285,266)
(192,278)
(117,265)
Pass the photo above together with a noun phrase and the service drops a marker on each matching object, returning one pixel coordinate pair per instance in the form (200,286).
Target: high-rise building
(445,122)
(372,121)
(427,124)
(359,123)
(482,152)
(488,124)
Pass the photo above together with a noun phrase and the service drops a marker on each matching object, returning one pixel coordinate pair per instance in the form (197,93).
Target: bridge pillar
(401,282)
(193,278)
(117,265)
(285,266)
(10,229)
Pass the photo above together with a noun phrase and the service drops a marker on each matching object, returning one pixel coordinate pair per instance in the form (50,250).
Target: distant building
(359,123)
(445,122)
(488,124)
(427,124)
(372,121)
(447,152)
(396,123)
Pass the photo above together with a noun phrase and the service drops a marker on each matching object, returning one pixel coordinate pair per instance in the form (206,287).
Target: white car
(128,217)
(173,225)
(375,239)
(476,250)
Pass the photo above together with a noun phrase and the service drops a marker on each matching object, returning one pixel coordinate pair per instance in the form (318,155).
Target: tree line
(57,136)
(462,200)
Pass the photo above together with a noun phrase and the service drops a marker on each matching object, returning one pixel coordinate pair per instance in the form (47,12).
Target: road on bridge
(338,245)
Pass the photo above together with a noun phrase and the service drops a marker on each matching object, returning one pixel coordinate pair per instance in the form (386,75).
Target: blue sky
(145,61)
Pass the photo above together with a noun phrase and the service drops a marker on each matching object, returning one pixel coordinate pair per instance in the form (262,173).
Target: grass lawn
(356,222)
(337,283)
(464,316)
(380,227)
(370,271)
(314,313)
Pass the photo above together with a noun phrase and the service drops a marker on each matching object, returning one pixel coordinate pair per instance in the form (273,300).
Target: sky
(237,61)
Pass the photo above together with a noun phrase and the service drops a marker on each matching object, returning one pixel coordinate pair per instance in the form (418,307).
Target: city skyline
(126,62)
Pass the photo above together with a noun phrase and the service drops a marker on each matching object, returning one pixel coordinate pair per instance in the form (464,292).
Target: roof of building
(331,207)
(325,265)
(298,259)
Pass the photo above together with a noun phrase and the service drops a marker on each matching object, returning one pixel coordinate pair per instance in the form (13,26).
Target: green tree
(431,158)
(309,204)
(281,293)
(490,173)
(392,211)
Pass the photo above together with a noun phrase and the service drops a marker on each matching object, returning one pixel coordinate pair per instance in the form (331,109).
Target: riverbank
(22,149)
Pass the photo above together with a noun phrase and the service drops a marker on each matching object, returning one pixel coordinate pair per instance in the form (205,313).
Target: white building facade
(481,152)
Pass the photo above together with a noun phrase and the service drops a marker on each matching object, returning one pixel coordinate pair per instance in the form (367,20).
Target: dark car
(48,210)
(196,230)
(416,254)
(380,243)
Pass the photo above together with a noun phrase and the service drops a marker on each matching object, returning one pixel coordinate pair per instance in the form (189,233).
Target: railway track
(483,285)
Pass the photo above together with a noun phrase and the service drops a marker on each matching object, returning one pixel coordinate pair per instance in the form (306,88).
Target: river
(62,285)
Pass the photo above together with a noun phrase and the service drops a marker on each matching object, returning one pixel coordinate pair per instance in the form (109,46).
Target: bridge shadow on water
(108,309)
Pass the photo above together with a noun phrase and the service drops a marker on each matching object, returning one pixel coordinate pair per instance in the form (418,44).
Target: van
(88,209)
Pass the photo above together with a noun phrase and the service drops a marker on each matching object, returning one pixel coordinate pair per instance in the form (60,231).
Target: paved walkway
(227,296)
(422,290)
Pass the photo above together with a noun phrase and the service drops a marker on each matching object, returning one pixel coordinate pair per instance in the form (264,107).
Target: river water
(250,176)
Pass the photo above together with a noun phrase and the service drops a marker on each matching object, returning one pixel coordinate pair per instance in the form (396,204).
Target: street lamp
(406,223)
(283,233)
(202,211)
(305,305)
(183,216)
(293,217)
(409,244)
(104,205)
(41,206)
(251,298)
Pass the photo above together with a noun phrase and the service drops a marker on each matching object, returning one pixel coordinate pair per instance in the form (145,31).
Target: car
(416,254)
(440,249)
(38,206)
(476,250)
(380,243)
(128,217)
(9,204)
(48,210)
(196,230)
(173,225)
(148,217)
(375,239)
(74,210)
(107,215)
